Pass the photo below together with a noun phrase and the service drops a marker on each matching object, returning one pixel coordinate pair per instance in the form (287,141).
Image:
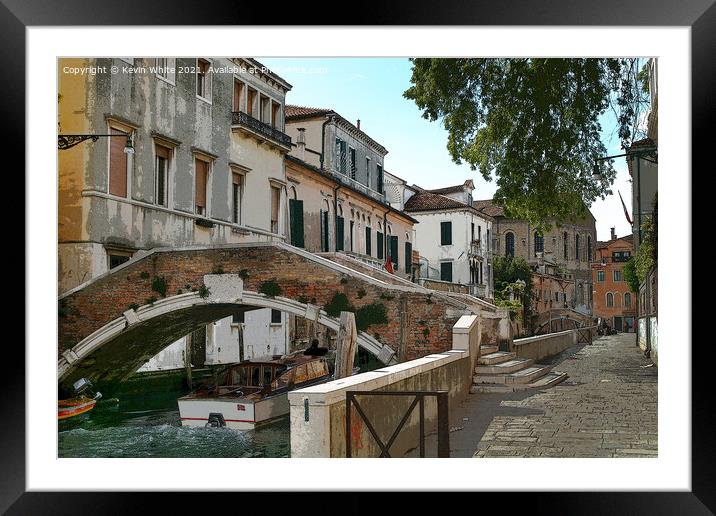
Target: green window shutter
(394,250)
(446,233)
(408,256)
(379,244)
(368,249)
(339,233)
(446,271)
(296,212)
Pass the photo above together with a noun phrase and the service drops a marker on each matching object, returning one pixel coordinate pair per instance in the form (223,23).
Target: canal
(148,426)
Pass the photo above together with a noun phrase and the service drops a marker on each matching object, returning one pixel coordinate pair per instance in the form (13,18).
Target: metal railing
(259,127)
(419,400)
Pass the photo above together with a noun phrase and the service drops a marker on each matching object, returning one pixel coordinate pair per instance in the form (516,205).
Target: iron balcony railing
(257,126)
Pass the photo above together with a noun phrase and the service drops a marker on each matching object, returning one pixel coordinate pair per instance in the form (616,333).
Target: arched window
(576,247)
(510,244)
(539,242)
(589,248)
(565,238)
(610,299)
(627,300)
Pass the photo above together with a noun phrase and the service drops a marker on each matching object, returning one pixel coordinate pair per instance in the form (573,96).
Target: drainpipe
(323,137)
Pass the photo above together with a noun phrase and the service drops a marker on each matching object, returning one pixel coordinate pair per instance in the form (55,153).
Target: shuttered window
(408,256)
(368,243)
(296,212)
(394,251)
(446,233)
(236,191)
(324,231)
(339,234)
(117,165)
(379,244)
(161,171)
(446,271)
(202,174)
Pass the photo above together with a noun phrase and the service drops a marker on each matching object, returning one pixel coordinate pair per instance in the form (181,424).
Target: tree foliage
(534,124)
(506,271)
(630,275)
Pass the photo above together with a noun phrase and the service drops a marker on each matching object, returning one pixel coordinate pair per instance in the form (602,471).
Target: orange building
(614,302)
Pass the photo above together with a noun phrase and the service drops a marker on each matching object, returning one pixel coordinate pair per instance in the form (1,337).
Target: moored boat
(80,403)
(249,393)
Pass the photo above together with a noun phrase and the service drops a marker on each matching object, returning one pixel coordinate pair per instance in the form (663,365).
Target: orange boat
(80,403)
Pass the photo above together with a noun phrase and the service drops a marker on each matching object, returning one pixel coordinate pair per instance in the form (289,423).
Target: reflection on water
(150,427)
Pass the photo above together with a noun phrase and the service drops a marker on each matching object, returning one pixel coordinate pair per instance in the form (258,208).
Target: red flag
(389,264)
(626,213)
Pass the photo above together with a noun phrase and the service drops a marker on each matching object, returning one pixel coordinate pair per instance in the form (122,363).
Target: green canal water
(149,426)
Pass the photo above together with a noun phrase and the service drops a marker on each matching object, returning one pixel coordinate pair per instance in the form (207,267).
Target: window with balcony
(238,96)
(251,107)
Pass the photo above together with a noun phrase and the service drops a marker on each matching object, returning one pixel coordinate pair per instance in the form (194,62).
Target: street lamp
(67,141)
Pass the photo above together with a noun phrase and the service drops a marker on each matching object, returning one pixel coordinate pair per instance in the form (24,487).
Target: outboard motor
(216,420)
(83,387)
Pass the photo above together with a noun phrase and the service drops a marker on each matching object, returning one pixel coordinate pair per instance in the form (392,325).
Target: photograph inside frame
(357,257)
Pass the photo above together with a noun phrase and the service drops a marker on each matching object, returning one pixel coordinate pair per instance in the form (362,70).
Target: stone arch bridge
(111,325)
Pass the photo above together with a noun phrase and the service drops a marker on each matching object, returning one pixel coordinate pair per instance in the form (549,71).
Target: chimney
(614,235)
(301,143)
(358,124)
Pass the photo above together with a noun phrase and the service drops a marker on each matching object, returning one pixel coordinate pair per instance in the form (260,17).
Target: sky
(371,89)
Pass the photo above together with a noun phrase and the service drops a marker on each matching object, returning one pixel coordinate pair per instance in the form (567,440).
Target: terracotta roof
(452,189)
(488,207)
(304,112)
(603,244)
(425,200)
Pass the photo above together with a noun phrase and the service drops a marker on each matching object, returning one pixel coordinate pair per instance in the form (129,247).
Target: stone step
(506,367)
(526,375)
(496,357)
(550,379)
(486,350)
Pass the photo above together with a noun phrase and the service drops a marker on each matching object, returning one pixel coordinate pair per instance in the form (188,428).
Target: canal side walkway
(606,408)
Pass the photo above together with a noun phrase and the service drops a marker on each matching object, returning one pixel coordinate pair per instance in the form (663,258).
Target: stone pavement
(606,408)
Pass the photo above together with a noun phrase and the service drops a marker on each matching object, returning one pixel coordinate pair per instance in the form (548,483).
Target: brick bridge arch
(110,326)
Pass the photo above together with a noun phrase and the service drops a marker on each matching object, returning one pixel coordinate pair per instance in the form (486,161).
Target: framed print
(313,244)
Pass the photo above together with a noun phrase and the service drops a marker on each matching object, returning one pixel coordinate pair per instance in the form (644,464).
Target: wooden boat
(80,403)
(250,393)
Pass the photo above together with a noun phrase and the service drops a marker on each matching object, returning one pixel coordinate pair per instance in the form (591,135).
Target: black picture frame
(699,15)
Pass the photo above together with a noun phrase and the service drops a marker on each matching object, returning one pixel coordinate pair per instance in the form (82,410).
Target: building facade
(207,168)
(336,181)
(614,302)
(453,237)
(569,245)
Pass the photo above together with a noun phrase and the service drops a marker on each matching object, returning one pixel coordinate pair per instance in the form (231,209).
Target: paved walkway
(606,408)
